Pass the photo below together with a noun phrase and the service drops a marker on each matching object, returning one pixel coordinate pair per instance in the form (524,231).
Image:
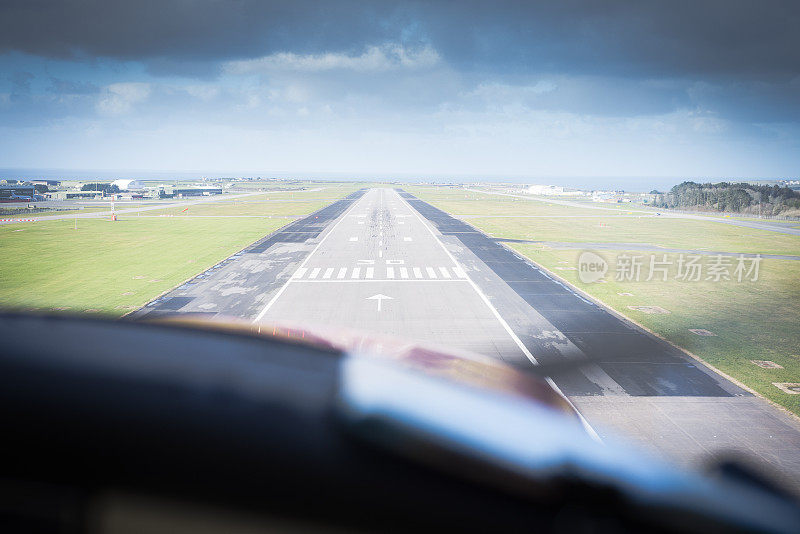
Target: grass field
(253,206)
(38,214)
(114,267)
(514,218)
(752,320)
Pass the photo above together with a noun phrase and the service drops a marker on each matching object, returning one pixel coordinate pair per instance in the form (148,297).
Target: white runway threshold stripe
(391,272)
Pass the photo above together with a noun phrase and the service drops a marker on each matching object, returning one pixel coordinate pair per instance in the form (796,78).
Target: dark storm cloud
(208,30)
(717,39)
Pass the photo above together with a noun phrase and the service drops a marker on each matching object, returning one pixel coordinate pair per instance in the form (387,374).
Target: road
(384,261)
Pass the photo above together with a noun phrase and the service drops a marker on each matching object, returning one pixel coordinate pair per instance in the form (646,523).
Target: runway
(383,261)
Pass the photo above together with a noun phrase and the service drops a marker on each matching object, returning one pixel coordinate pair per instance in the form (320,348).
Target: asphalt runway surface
(383,261)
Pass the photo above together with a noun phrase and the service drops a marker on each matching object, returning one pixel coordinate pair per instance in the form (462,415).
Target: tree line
(731,197)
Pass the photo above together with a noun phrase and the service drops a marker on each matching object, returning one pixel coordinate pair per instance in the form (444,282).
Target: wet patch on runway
(628,359)
(174,303)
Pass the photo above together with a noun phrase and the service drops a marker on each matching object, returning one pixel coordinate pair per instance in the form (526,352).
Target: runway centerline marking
(380,298)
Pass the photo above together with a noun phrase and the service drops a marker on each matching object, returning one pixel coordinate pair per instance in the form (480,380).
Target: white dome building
(128,185)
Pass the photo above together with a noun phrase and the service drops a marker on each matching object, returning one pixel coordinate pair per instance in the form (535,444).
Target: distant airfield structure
(128,185)
(552,190)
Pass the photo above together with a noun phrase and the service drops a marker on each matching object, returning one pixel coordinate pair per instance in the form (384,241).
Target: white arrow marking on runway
(380,298)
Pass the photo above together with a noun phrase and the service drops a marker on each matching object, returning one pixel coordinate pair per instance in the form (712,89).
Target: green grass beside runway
(253,206)
(39,214)
(595,226)
(115,267)
(667,233)
(752,320)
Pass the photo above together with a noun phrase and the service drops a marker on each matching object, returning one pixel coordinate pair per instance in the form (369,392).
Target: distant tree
(654,192)
(734,197)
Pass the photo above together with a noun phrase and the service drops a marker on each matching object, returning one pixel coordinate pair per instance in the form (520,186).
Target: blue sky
(479,89)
